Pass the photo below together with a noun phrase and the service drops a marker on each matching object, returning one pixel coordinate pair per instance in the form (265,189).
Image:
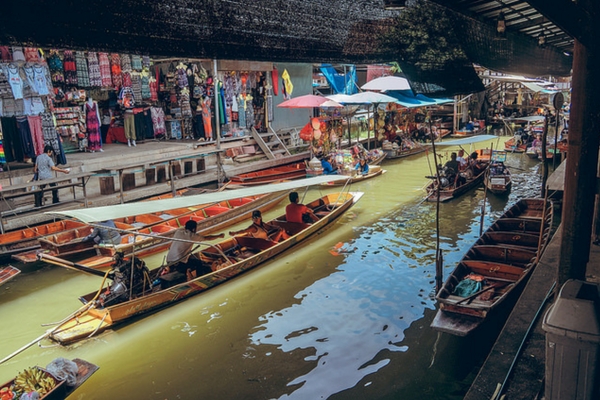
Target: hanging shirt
(40,82)
(33,106)
(15,81)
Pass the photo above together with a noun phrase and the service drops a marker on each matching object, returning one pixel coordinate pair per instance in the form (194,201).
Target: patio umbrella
(309,101)
(387,83)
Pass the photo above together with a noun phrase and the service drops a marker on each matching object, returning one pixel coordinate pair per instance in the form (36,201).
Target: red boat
(270,175)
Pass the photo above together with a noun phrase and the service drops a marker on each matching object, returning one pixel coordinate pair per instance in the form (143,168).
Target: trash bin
(572,326)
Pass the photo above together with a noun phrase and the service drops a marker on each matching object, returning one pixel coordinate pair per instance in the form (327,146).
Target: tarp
(537,88)
(469,140)
(96,214)
(340,83)
(409,100)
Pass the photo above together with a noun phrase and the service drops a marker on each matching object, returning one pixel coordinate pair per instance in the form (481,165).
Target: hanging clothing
(56,67)
(92,125)
(241,111)
(39,80)
(37,135)
(25,136)
(15,81)
(17,53)
(275,81)
(11,139)
(30,88)
(94,70)
(70,68)
(104,65)
(136,85)
(51,137)
(33,106)
(115,70)
(125,63)
(158,121)
(5,53)
(32,55)
(5,90)
(145,87)
(199,127)
(153,84)
(206,117)
(82,69)
(136,62)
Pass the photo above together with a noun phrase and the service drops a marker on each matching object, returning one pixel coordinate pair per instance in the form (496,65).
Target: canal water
(344,316)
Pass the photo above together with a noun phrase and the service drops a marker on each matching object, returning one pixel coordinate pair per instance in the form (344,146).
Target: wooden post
(581,165)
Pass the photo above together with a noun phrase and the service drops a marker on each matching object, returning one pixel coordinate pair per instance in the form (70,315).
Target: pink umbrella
(309,101)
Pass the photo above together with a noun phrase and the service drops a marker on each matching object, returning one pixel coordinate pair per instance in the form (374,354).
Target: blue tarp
(338,82)
(407,99)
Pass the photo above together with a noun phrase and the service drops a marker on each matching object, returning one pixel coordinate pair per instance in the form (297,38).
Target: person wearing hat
(261,230)
(180,258)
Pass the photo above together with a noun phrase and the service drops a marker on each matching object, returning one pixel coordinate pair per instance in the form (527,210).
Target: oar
(70,265)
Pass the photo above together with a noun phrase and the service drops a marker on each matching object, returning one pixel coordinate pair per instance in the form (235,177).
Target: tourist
(179,257)
(296,212)
(105,233)
(44,165)
(462,163)
(261,230)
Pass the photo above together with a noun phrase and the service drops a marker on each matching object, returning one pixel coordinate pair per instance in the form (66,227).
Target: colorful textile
(82,69)
(56,67)
(4,85)
(206,117)
(116,71)
(70,68)
(2,155)
(136,85)
(94,70)
(153,89)
(92,125)
(105,74)
(158,121)
(32,54)
(145,87)
(51,138)
(125,63)
(37,135)
(136,63)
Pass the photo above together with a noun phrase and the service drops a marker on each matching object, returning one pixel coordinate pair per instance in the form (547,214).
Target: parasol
(387,83)
(309,101)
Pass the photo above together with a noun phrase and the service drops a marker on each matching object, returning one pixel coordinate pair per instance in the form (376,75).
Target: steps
(270,143)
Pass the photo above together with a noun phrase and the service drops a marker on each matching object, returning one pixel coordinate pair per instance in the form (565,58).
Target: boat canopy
(96,214)
(468,140)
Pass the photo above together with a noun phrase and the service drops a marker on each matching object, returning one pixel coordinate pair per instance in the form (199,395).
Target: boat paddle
(492,286)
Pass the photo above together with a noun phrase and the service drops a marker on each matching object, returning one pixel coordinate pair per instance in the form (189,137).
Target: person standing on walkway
(44,165)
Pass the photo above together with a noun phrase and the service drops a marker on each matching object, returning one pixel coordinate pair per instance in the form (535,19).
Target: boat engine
(121,274)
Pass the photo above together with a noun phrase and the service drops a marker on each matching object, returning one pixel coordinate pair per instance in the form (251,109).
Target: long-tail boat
(498,179)
(275,174)
(414,148)
(450,187)
(126,298)
(144,234)
(512,146)
(374,171)
(496,266)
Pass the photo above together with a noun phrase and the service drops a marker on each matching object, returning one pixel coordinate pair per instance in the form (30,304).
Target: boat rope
(498,393)
(98,327)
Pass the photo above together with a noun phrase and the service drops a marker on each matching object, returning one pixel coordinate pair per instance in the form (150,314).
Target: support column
(582,164)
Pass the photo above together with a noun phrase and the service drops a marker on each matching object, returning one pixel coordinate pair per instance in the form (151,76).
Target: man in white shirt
(462,163)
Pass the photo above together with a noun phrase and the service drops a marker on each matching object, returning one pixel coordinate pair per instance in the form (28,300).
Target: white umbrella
(387,83)
(363,98)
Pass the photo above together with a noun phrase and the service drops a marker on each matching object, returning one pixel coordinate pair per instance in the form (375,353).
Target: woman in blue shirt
(362,167)
(327,167)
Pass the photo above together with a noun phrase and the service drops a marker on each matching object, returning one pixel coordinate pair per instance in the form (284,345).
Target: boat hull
(356,179)
(98,319)
(276,174)
(501,260)
(447,194)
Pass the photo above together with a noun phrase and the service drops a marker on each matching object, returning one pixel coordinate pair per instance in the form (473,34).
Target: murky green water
(344,316)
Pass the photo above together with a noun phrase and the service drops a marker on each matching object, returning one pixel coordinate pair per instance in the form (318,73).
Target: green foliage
(425,35)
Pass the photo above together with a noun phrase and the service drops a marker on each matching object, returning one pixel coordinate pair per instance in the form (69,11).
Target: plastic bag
(34,178)
(64,369)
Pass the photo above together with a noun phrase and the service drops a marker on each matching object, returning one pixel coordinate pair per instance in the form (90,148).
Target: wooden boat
(150,238)
(498,179)
(463,133)
(275,174)
(450,190)
(532,152)
(417,148)
(374,170)
(27,239)
(228,258)
(512,147)
(60,388)
(495,267)
(7,273)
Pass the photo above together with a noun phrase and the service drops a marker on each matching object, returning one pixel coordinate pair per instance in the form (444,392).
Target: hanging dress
(94,70)
(116,71)
(207,119)
(70,68)
(82,69)
(92,126)
(104,64)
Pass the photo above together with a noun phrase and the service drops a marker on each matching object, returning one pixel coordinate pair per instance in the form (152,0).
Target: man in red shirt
(294,211)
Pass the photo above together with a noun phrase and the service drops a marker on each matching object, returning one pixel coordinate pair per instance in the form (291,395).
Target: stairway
(270,144)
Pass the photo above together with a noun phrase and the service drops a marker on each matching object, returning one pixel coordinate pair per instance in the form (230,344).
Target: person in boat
(105,233)
(362,167)
(537,142)
(296,212)
(451,169)
(497,168)
(474,164)
(261,230)
(462,163)
(327,165)
(180,258)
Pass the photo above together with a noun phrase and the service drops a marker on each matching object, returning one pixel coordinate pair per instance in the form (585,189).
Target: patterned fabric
(82,69)
(145,83)
(158,121)
(104,69)
(146,61)
(115,70)
(136,85)
(56,67)
(51,137)
(32,54)
(136,63)
(153,90)
(70,68)
(4,86)
(94,70)
(126,79)
(125,63)
(92,126)
(29,81)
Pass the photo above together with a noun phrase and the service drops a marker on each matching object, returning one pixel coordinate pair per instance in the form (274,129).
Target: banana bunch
(34,379)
